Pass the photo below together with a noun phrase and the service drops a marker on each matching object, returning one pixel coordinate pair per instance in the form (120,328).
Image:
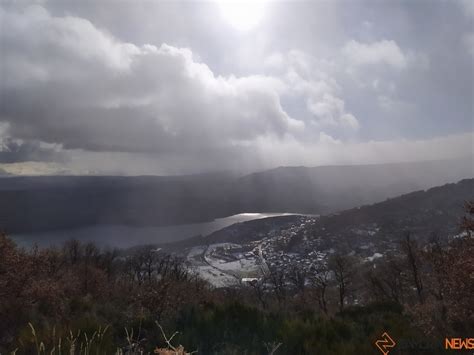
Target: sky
(170,87)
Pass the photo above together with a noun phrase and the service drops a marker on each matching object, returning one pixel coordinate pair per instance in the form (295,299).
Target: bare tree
(320,281)
(107,261)
(297,277)
(258,287)
(90,257)
(146,263)
(412,254)
(73,251)
(467,223)
(343,269)
(276,279)
(386,281)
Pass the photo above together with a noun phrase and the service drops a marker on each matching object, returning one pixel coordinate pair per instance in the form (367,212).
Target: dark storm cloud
(90,91)
(12,151)
(313,82)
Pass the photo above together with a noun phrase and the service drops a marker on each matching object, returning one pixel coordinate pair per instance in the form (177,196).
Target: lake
(121,236)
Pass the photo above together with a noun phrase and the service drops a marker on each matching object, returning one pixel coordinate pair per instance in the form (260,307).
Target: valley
(250,251)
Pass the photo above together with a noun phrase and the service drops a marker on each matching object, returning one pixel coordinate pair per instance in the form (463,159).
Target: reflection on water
(126,236)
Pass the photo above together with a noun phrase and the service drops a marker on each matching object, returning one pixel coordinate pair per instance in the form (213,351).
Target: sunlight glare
(242,15)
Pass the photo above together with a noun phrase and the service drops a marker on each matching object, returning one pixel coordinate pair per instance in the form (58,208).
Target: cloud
(329,151)
(327,139)
(330,110)
(268,152)
(468,7)
(13,150)
(468,41)
(385,52)
(310,78)
(85,89)
(115,88)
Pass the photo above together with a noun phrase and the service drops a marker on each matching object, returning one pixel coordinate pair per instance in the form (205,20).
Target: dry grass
(83,344)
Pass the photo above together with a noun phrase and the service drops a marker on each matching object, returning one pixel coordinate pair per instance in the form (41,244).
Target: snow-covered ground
(210,264)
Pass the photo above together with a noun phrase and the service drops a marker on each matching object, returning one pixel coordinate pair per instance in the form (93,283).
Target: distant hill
(437,210)
(333,188)
(31,204)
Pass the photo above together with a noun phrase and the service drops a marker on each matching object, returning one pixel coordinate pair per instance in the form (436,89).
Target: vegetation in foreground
(79,299)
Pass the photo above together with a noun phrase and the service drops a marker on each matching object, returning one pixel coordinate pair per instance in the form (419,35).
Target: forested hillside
(417,291)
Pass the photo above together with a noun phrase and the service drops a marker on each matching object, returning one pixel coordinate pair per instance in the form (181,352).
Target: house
(249,280)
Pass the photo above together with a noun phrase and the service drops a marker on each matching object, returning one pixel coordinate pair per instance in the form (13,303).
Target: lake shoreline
(123,236)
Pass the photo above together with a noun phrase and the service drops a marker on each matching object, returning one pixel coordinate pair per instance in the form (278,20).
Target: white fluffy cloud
(382,52)
(330,110)
(309,78)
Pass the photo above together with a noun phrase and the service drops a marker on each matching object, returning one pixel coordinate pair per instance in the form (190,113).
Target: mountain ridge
(62,202)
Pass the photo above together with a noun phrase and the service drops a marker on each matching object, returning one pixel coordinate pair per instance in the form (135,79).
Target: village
(303,245)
